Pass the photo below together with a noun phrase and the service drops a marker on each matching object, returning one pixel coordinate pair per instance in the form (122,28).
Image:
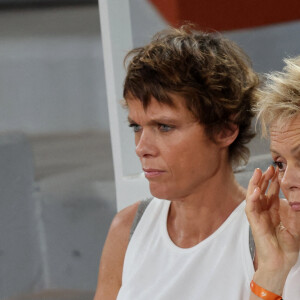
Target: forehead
(285,135)
(157,109)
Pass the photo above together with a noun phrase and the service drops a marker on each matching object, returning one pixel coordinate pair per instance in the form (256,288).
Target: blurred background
(58,193)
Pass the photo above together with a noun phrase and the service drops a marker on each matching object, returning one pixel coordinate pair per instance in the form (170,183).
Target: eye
(135,127)
(165,128)
(281,165)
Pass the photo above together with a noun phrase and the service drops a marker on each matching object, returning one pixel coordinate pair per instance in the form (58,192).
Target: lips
(151,173)
(295,206)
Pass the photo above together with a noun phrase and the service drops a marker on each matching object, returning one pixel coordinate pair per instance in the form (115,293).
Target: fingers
(253,193)
(273,192)
(266,177)
(254,181)
(257,188)
(253,201)
(263,184)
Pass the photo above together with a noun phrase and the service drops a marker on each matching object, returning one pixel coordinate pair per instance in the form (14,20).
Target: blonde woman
(275,222)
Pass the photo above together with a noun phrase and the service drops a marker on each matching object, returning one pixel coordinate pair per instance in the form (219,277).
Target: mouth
(151,173)
(295,206)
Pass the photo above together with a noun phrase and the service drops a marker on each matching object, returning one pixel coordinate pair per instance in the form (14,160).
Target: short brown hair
(279,99)
(210,72)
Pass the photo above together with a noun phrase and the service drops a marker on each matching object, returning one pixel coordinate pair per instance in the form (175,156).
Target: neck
(195,217)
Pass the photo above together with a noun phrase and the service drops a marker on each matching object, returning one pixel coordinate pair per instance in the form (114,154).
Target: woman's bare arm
(112,259)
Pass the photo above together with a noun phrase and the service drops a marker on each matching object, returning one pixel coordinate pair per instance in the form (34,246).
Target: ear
(226,136)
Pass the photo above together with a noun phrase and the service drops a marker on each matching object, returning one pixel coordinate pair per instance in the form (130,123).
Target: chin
(159,192)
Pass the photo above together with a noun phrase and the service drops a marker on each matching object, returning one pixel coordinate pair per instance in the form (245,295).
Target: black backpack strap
(139,213)
(251,244)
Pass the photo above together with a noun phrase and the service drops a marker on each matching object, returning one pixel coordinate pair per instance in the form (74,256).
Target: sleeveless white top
(220,267)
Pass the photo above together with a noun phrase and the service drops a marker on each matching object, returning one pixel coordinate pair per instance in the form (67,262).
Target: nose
(145,144)
(290,178)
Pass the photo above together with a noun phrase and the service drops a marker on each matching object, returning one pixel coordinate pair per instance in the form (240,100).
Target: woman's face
(285,150)
(176,155)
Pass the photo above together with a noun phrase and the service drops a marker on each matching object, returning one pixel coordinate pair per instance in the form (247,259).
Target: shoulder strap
(251,244)
(139,213)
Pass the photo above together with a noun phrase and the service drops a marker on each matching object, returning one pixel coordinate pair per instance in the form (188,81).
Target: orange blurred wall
(228,15)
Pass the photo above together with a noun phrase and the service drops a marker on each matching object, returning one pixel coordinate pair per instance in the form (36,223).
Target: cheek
(280,176)
(282,187)
(292,182)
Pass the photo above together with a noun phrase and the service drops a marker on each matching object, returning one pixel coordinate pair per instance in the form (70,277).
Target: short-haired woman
(189,96)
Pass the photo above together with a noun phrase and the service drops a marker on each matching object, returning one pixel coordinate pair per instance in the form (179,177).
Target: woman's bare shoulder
(119,231)
(124,218)
(113,254)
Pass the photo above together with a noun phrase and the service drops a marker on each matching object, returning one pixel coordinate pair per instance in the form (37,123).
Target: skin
(285,150)
(181,165)
(275,222)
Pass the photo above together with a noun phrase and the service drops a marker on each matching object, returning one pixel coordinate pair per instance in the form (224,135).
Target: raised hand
(277,246)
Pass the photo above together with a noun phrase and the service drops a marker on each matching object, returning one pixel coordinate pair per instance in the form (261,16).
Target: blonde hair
(279,100)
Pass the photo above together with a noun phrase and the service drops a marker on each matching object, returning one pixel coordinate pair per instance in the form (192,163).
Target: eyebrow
(159,120)
(274,151)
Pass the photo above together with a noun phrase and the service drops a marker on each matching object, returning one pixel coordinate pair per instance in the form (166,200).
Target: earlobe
(228,135)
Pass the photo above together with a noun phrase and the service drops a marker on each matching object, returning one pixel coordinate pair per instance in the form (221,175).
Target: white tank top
(220,267)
